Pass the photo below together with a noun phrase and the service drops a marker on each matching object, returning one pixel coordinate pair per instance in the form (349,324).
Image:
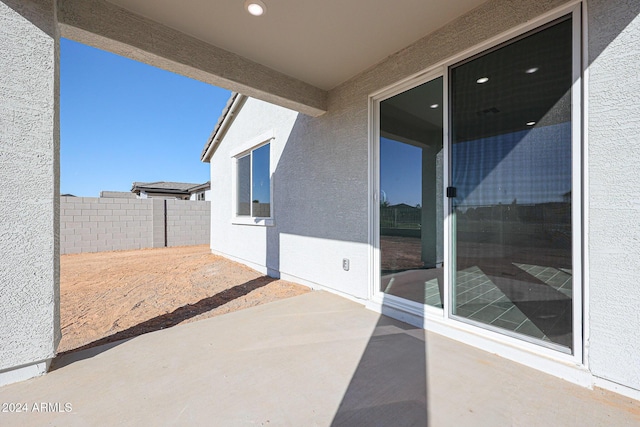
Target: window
(200,196)
(253,184)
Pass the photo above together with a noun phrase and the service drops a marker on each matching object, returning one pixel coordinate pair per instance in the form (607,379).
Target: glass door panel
(511,168)
(411,208)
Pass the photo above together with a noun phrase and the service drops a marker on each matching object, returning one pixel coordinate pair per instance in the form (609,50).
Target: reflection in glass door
(411,208)
(511,141)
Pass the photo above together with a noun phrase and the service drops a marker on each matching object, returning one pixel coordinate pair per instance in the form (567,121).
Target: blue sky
(400,172)
(123,121)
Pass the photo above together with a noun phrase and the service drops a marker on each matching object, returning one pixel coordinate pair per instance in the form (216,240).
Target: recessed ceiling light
(434,105)
(482,80)
(531,123)
(255,7)
(532,70)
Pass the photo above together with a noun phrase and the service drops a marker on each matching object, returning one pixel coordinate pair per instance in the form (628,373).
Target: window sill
(261,222)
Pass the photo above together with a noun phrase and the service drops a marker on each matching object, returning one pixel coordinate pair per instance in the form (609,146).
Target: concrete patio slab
(315,359)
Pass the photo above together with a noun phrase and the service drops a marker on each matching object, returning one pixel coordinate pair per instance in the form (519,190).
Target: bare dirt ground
(110,296)
(400,253)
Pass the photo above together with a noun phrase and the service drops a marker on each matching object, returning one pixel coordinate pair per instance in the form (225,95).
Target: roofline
(205,186)
(161,190)
(234,105)
(136,188)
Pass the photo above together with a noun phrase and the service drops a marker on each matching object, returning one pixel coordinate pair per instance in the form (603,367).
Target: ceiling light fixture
(531,123)
(434,105)
(255,7)
(482,80)
(532,70)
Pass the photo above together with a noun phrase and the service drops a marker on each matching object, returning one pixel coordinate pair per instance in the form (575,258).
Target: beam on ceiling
(105,26)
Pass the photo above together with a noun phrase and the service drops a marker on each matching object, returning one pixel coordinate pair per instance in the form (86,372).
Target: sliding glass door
(479,183)
(411,182)
(511,173)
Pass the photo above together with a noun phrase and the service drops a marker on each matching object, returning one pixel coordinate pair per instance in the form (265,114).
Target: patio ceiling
(292,56)
(322,43)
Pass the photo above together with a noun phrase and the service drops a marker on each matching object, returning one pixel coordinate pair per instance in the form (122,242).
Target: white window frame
(242,151)
(439,320)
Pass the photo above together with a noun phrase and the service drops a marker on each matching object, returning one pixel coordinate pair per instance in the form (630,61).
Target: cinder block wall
(91,224)
(188,222)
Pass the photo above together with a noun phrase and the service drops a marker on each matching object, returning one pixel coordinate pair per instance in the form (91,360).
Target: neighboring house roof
(234,105)
(201,187)
(167,187)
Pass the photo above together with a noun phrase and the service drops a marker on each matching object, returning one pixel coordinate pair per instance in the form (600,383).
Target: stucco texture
(613,151)
(322,174)
(321,197)
(614,209)
(245,242)
(29,272)
(613,159)
(328,157)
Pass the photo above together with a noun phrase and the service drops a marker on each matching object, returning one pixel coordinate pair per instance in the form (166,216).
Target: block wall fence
(91,224)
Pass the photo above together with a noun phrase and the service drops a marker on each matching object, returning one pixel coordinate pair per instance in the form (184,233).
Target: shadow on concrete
(389,386)
(164,321)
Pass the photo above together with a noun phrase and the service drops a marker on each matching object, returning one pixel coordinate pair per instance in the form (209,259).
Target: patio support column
(29,188)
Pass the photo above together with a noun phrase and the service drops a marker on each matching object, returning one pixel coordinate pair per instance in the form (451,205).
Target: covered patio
(315,359)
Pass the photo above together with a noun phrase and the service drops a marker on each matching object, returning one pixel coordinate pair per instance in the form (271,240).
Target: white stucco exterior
(292,248)
(613,233)
(207,195)
(320,167)
(322,194)
(29,153)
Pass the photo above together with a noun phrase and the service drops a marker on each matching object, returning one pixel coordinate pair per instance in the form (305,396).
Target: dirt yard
(110,296)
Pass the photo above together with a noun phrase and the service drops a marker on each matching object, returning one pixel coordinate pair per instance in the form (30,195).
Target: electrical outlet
(345,264)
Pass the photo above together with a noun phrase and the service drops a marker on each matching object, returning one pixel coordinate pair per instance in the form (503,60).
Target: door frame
(440,320)
(411,307)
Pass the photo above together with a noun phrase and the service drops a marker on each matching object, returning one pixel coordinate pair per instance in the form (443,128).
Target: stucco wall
(207,195)
(245,242)
(613,156)
(89,224)
(614,210)
(29,145)
(325,164)
(313,230)
(322,197)
(322,193)
(321,188)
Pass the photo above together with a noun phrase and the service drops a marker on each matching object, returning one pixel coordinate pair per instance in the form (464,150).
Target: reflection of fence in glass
(516,224)
(400,216)
(261,210)
(255,209)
